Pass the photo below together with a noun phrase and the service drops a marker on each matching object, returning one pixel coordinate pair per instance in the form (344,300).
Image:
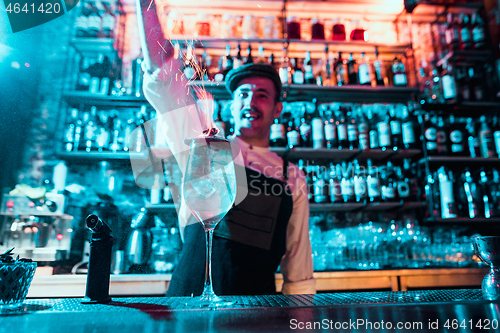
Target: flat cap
(234,76)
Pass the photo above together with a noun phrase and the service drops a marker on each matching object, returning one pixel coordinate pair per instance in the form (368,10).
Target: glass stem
(208,290)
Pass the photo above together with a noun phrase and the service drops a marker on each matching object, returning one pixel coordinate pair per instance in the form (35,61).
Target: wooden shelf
(75,98)
(80,156)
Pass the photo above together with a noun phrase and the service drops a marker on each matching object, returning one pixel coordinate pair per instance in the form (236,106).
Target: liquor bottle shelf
(459,160)
(336,155)
(466,57)
(333,155)
(92,46)
(373,206)
(294,45)
(431,11)
(349,93)
(463,109)
(293,92)
(463,220)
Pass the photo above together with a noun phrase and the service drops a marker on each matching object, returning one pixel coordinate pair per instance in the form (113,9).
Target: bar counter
(453,310)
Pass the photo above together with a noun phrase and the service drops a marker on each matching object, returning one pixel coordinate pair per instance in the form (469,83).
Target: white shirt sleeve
(296,264)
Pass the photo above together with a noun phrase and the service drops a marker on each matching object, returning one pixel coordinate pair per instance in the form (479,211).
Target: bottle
(379,70)
(409,129)
(410,178)
(307,171)
(305,129)
(487,199)
(342,131)
(384,132)
(364,71)
(116,139)
(308,69)
(363,131)
(352,130)
(93,23)
(403,186)
(293,135)
(238,60)
(277,135)
(228,63)
(83,80)
(219,123)
(103,135)
(384,184)
(396,129)
(456,137)
(338,31)
(471,193)
(298,74)
(448,207)
(430,134)
(346,184)
(82,22)
(452,32)
(465,32)
(448,84)
(372,129)
(340,71)
(359,181)
(399,73)
(463,82)
(495,191)
(372,182)
(334,180)
(249,59)
(390,191)
(203,73)
(320,185)
(472,139)
(260,57)
(328,77)
(478,32)
(330,131)
(189,69)
(486,143)
(352,74)
(318,132)
(285,70)
(69,133)
(496,134)
(442,136)
(358,33)
(476,85)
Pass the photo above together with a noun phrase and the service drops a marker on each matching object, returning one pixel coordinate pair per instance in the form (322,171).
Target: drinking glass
(209,190)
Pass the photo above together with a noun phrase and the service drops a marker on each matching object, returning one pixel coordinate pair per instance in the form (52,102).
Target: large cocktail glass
(209,190)
(488,249)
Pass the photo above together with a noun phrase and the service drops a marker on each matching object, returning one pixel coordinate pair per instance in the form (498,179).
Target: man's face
(254,108)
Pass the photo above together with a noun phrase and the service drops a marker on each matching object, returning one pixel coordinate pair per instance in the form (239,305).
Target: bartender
(268,226)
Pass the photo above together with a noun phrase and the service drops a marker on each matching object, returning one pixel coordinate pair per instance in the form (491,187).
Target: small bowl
(15,280)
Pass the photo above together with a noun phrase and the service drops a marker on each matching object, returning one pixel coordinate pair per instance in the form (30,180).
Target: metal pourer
(99,267)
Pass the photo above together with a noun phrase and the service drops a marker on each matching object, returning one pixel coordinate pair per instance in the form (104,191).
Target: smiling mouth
(250,115)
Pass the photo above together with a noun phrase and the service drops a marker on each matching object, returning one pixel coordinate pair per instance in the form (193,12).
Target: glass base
(208,301)
(11,307)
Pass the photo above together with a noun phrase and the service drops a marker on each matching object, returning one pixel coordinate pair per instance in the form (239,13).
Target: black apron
(248,243)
